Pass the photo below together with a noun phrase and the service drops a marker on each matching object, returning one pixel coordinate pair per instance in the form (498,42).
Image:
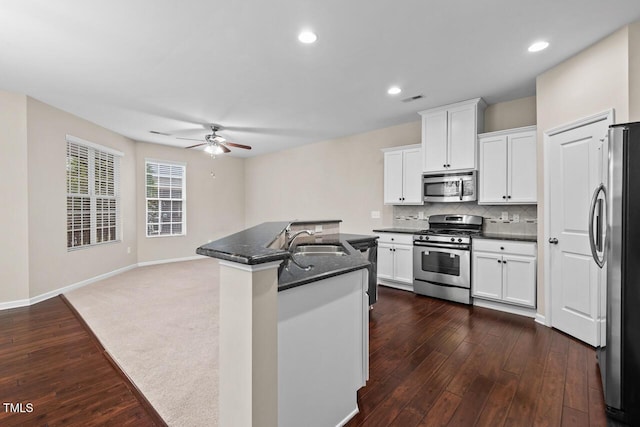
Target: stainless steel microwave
(450,187)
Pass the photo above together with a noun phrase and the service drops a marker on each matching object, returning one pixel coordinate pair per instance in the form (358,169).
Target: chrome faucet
(291,238)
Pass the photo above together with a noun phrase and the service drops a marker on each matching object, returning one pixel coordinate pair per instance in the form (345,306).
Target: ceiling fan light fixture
(307,37)
(538,46)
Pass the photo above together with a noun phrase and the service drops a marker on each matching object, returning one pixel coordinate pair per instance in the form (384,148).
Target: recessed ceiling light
(307,37)
(394,90)
(538,46)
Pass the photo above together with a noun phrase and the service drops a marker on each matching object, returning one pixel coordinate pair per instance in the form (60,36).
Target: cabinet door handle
(499,261)
(504,197)
(502,248)
(504,262)
(508,197)
(444,166)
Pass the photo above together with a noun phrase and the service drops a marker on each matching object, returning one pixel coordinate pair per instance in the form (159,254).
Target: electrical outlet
(319,228)
(505,216)
(421,215)
(516,217)
(375,214)
(128,249)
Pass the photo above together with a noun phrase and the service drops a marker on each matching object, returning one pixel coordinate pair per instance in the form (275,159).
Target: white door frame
(609,116)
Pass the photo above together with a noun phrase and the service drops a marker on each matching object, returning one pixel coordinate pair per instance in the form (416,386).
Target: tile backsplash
(417,216)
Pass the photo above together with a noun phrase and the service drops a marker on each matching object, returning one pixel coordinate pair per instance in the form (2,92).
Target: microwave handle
(461,188)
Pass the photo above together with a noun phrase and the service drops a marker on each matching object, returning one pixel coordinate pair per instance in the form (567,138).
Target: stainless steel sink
(319,250)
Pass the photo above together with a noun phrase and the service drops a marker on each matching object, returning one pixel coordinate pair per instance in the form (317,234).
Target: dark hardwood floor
(432,363)
(435,363)
(54,372)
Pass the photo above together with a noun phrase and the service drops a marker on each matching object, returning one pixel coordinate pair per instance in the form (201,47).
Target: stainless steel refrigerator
(615,241)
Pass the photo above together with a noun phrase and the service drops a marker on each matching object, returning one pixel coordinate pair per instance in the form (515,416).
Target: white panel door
(487,275)
(434,141)
(385,261)
(522,182)
(492,181)
(462,137)
(574,172)
(412,176)
(519,280)
(403,263)
(393,177)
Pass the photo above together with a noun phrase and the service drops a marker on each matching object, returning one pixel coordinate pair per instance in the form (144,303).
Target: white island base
(323,350)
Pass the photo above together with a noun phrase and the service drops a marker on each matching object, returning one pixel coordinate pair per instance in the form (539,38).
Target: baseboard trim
(39,298)
(396,285)
(128,382)
(169,260)
(80,284)
(45,296)
(508,308)
(348,417)
(541,319)
(14,304)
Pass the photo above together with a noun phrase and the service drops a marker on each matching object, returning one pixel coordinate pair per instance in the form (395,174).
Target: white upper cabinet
(507,167)
(449,135)
(403,175)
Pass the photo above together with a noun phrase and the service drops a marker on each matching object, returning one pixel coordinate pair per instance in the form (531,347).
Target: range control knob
(453,239)
(459,240)
(421,237)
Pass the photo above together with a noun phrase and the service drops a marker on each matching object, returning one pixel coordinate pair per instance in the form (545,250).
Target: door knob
(553,241)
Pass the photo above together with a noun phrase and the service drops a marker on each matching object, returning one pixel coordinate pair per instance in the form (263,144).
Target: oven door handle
(442,246)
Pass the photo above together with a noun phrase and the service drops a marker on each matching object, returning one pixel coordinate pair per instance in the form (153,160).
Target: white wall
(51,266)
(510,114)
(336,179)
(590,82)
(215,206)
(14,248)
(634,72)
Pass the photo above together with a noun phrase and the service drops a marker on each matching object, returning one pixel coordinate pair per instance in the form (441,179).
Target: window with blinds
(166,198)
(93,195)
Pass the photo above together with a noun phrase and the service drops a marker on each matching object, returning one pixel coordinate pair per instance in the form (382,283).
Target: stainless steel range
(442,257)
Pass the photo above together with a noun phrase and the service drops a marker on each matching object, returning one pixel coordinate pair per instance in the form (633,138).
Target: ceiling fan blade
(190,139)
(224,148)
(197,145)
(233,144)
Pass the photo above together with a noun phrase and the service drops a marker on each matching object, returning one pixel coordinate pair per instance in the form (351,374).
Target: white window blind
(166,198)
(93,194)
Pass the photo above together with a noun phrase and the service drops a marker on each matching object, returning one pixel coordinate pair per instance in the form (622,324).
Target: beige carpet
(160,324)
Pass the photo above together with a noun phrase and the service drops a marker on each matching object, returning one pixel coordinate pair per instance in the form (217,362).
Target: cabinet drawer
(396,238)
(505,246)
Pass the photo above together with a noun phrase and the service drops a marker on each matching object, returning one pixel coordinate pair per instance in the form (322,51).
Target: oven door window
(434,261)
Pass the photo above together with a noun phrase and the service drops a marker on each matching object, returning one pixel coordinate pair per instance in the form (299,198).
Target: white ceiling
(173,66)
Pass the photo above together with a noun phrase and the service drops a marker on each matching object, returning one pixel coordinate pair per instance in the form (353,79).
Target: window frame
(182,199)
(94,152)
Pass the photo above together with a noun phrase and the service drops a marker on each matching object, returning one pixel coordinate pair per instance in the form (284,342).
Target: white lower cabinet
(504,271)
(395,260)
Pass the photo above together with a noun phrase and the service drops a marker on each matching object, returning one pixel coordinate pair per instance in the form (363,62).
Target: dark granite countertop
(398,230)
(250,247)
(512,237)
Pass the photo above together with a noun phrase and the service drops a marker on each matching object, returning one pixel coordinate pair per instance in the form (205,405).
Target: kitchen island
(291,320)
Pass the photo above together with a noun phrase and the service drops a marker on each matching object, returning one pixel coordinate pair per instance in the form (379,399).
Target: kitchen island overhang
(271,301)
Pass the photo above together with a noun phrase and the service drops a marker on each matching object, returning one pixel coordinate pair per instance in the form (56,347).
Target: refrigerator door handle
(592,242)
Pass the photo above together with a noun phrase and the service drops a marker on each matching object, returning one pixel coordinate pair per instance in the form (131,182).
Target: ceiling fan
(216,144)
